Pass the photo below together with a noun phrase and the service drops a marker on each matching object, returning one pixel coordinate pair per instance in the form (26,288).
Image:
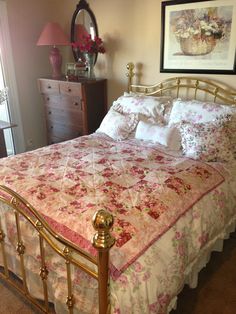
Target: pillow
(118,126)
(151,107)
(167,102)
(199,112)
(164,135)
(206,141)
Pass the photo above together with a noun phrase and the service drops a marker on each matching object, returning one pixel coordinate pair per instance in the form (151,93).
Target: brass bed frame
(98,267)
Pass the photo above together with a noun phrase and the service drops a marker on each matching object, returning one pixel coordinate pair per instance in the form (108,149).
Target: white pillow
(117,125)
(164,135)
(151,107)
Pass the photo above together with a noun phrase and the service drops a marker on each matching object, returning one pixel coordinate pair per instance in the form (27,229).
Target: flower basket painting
(198,36)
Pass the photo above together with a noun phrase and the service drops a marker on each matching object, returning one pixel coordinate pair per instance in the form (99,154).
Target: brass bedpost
(130,74)
(103,241)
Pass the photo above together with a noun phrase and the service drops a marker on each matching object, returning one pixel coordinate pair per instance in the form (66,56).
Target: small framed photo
(198,36)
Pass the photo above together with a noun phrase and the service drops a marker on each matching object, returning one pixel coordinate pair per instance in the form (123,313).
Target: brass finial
(130,74)
(102,223)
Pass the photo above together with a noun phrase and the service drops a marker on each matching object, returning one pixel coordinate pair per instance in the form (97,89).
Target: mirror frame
(82,5)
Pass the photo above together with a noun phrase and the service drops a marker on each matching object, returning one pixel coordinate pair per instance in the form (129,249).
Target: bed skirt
(191,273)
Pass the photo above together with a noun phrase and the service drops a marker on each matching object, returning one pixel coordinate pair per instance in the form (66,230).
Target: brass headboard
(192,86)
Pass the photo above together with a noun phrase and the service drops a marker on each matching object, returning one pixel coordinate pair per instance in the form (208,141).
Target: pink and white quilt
(147,190)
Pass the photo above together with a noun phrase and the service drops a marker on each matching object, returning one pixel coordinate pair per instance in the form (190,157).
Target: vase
(90,59)
(197,46)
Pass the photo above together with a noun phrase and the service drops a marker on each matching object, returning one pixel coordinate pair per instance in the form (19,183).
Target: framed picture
(198,36)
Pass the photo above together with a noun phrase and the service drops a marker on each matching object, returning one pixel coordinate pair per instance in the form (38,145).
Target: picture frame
(198,36)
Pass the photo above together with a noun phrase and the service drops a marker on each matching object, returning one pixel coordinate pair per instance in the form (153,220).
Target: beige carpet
(215,294)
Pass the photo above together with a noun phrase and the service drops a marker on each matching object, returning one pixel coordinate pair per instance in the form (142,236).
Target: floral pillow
(117,125)
(164,135)
(151,107)
(200,112)
(206,141)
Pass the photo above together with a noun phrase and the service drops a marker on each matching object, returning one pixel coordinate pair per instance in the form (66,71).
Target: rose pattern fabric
(206,141)
(68,182)
(150,284)
(196,111)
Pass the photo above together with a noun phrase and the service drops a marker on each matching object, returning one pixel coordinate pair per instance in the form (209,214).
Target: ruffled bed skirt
(191,273)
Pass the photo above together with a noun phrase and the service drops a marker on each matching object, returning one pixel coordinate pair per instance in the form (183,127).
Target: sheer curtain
(10,110)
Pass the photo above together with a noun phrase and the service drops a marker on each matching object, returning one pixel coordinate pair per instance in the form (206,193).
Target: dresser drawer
(49,87)
(63,102)
(63,132)
(70,89)
(64,116)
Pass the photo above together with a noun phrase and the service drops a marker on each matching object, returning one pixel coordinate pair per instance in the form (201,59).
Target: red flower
(90,45)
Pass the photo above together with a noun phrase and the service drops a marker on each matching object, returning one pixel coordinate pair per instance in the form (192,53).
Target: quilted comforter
(167,209)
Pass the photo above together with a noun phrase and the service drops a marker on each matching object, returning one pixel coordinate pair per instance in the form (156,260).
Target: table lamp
(53,35)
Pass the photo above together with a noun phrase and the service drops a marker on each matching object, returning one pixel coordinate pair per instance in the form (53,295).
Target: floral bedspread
(151,283)
(146,189)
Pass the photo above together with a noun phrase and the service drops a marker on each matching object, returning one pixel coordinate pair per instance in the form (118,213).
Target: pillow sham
(196,111)
(168,103)
(117,125)
(149,106)
(164,135)
(206,141)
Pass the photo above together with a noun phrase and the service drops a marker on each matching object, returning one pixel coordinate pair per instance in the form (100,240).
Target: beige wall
(26,20)
(130,29)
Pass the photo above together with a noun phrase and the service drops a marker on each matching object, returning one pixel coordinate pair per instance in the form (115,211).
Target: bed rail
(173,86)
(95,267)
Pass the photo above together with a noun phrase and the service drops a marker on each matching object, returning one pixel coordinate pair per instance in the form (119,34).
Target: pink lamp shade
(53,35)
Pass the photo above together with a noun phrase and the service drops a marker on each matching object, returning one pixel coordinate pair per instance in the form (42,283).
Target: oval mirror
(83,23)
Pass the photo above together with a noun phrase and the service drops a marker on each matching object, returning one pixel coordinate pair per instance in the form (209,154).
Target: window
(10,110)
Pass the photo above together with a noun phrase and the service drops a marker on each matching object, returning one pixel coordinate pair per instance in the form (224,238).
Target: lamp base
(55,59)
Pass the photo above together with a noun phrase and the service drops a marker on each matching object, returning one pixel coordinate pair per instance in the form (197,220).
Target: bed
(120,220)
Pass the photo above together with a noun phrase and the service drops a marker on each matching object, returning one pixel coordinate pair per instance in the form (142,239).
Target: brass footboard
(72,255)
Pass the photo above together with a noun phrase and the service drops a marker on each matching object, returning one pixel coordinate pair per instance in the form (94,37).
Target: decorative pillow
(164,135)
(200,112)
(151,107)
(206,141)
(118,126)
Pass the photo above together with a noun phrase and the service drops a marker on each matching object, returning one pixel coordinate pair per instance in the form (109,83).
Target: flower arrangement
(199,23)
(198,30)
(90,45)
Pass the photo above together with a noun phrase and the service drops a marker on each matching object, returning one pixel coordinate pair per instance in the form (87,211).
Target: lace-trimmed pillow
(206,141)
(164,135)
(151,107)
(117,125)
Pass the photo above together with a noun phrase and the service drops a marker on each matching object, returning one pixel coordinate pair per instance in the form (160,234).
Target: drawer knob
(49,112)
(49,86)
(48,98)
(69,90)
(76,104)
(51,127)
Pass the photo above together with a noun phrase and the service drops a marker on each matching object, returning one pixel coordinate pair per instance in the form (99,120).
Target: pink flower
(178,235)
(138,267)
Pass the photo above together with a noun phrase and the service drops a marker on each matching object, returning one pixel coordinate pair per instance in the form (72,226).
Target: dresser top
(80,80)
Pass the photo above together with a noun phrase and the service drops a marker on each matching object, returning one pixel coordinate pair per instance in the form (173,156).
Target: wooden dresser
(72,109)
